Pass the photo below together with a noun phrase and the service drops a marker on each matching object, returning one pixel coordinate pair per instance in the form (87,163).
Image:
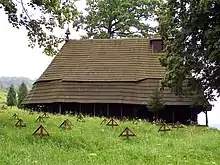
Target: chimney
(157,45)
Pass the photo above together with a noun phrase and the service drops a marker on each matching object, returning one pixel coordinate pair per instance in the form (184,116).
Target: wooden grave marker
(127,133)
(112,123)
(4,107)
(164,127)
(136,121)
(68,121)
(177,125)
(15,116)
(31,112)
(159,122)
(103,121)
(41,131)
(123,119)
(45,115)
(20,123)
(80,118)
(40,119)
(65,125)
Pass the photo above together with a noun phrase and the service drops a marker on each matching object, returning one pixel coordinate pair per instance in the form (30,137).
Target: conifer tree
(11,96)
(22,93)
(156,104)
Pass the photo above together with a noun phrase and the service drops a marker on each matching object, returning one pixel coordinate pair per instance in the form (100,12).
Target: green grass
(2,97)
(95,144)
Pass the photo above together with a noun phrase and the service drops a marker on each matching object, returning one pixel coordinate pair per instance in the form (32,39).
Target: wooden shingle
(103,71)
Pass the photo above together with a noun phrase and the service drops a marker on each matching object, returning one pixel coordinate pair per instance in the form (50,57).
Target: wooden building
(108,77)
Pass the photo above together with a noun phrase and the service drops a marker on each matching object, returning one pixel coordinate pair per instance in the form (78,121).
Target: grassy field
(92,143)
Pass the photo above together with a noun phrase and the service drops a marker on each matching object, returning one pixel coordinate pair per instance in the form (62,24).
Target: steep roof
(105,60)
(103,71)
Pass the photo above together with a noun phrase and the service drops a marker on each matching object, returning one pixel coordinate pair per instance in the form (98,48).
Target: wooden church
(108,77)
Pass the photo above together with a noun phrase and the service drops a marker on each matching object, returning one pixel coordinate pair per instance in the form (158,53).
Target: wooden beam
(80,107)
(60,109)
(94,109)
(206,118)
(191,114)
(107,110)
(121,110)
(173,118)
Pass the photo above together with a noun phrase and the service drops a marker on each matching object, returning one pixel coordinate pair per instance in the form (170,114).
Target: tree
(11,96)
(193,55)
(156,103)
(40,18)
(118,18)
(22,93)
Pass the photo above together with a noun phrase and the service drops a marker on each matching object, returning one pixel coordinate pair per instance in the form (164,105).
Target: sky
(17,59)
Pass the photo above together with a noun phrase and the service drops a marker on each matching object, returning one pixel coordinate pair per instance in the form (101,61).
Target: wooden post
(107,110)
(80,107)
(121,111)
(191,114)
(206,118)
(173,117)
(94,109)
(60,109)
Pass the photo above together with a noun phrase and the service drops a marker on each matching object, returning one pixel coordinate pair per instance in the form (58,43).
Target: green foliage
(90,143)
(156,103)
(119,18)
(11,96)
(40,27)
(22,93)
(194,53)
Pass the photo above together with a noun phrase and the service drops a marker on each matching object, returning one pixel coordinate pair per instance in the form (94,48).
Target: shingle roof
(101,92)
(103,71)
(105,60)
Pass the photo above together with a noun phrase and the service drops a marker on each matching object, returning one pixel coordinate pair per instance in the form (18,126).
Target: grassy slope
(92,143)
(2,97)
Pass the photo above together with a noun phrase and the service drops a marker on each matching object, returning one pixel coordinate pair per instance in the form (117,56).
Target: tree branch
(22,4)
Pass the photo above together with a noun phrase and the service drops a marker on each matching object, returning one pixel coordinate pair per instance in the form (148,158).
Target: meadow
(91,143)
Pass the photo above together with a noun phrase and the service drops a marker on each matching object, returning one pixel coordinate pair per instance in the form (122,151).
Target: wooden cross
(103,121)
(31,112)
(127,132)
(41,131)
(20,123)
(80,118)
(164,127)
(15,116)
(123,119)
(45,115)
(112,123)
(40,119)
(68,121)
(65,125)
(177,125)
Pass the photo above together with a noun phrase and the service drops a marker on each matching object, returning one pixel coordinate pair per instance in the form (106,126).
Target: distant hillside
(5,82)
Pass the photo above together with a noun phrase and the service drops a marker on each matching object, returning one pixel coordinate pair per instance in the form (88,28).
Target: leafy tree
(194,52)
(11,96)
(118,18)
(40,18)
(22,93)
(156,103)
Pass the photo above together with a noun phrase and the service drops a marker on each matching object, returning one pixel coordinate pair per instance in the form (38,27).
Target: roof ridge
(112,39)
